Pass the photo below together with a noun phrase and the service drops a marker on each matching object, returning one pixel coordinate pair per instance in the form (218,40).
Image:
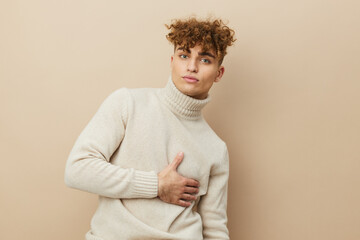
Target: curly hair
(210,34)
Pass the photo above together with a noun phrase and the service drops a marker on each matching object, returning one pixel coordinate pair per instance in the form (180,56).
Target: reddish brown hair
(210,34)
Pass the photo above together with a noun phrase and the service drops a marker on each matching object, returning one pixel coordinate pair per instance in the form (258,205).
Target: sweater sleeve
(88,167)
(212,206)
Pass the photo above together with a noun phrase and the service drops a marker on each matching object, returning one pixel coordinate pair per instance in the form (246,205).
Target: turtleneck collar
(180,103)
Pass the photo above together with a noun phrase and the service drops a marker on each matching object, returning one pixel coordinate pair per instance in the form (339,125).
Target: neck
(181,104)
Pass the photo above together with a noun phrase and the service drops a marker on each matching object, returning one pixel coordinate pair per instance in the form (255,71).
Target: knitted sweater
(134,135)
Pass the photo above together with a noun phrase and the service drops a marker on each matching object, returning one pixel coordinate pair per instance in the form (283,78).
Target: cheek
(209,84)
(210,75)
(176,67)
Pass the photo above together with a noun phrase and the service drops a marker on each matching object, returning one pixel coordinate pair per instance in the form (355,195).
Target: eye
(204,60)
(183,56)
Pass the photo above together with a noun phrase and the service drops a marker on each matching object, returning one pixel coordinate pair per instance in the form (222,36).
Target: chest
(154,136)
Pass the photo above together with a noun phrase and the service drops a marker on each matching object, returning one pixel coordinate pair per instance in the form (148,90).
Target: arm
(88,167)
(212,206)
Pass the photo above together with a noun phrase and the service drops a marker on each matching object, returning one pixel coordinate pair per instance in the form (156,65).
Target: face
(194,72)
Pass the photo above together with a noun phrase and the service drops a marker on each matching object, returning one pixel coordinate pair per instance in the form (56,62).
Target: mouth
(190,79)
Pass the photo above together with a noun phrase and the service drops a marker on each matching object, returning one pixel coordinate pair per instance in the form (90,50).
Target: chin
(188,90)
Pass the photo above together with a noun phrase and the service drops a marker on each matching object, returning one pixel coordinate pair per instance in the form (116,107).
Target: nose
(192,65)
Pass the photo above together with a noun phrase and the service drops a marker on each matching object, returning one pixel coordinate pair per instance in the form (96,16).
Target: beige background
(288,108)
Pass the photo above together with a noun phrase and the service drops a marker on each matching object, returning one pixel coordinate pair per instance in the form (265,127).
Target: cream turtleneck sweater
(134,135)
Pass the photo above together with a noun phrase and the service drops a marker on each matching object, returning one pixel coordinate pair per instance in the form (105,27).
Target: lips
(190,79)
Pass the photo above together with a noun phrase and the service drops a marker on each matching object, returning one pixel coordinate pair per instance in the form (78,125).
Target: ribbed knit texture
(145,184)
(182,104)
(134,135)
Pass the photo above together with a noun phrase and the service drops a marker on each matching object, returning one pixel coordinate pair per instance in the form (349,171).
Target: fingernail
(180,154)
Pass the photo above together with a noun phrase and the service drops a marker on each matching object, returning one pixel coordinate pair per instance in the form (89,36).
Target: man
(159,169)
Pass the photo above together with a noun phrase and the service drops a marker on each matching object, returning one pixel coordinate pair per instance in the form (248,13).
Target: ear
(171,61)
(220,73)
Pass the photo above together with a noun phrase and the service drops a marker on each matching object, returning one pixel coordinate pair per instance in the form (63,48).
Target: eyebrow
(201,53)
(206,54)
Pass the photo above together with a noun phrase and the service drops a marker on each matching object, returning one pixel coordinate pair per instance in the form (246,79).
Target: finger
(188,197)
(177,160)
(191,190)
(183,203)
(192,183)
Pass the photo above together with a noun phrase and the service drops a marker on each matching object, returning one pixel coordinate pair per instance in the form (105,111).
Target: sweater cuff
(145,184)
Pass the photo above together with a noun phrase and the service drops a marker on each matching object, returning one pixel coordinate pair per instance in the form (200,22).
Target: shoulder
(141,93)
(216,145)
(117,95)
(218,142)
(142,97)
(127,94)
(130,100)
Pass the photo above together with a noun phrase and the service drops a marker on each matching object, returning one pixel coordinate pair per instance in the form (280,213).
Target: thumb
(177,160)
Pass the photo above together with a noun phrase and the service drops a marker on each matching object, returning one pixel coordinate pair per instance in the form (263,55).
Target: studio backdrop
(288,108)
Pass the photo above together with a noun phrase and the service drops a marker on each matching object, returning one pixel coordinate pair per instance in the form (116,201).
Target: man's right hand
(174,188)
